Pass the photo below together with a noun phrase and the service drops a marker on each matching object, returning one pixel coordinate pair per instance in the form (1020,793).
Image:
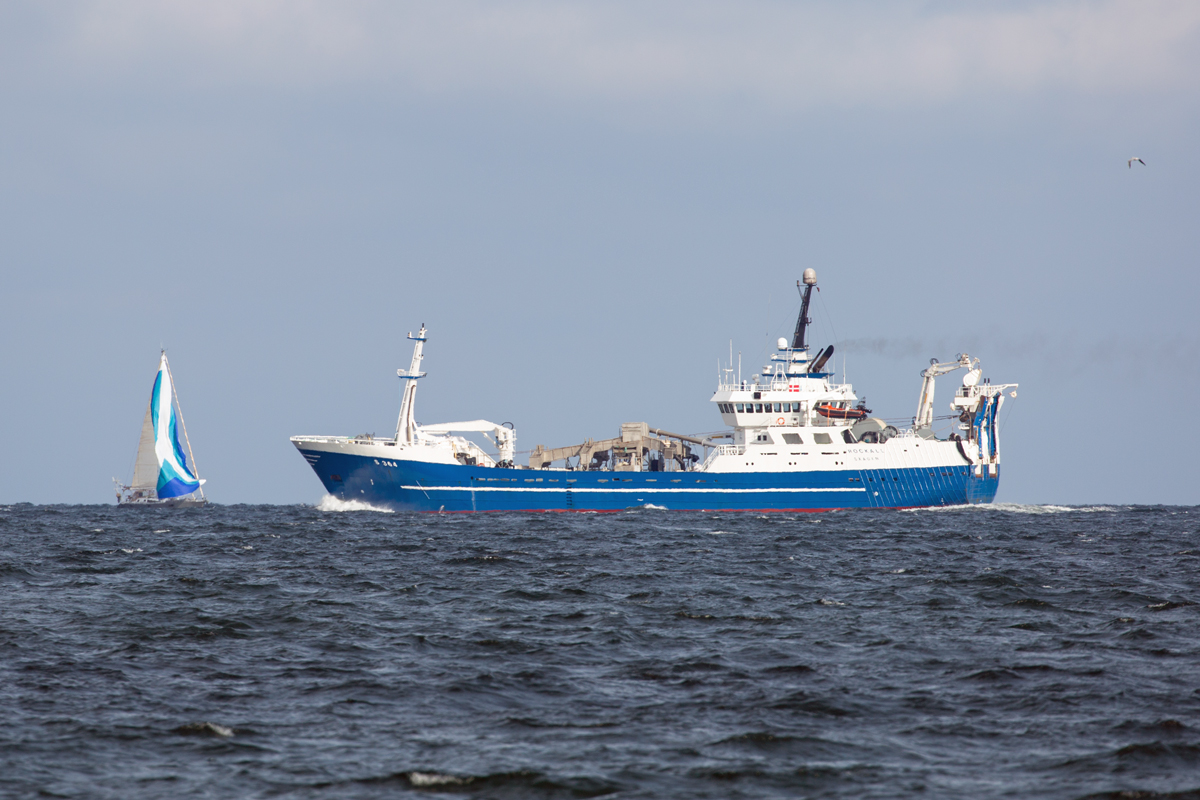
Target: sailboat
(163,475)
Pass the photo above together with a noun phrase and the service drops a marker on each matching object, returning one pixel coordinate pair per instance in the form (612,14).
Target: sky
(586,203)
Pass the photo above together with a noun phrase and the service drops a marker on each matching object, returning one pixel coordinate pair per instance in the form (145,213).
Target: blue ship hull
(430,487)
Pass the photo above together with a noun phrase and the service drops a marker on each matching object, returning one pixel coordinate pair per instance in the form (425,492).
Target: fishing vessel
(163,474)
(795,440)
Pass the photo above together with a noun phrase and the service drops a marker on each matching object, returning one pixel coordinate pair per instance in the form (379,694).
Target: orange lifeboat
(834,412)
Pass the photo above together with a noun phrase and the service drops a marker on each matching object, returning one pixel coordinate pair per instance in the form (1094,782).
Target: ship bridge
(792,390)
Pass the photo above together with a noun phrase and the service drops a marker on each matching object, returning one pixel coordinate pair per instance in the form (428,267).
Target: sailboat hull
(171,502)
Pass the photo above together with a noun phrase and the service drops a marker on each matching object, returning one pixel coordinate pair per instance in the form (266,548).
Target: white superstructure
(792,415)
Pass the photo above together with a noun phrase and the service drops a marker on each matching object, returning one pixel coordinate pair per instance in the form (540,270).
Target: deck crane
(924,418)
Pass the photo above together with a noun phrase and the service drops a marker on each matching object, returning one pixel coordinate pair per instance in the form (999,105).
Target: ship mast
(810,280)
(406,426)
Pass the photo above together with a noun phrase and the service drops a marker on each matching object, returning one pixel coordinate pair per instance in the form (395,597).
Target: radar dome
(810,276)
(782,343)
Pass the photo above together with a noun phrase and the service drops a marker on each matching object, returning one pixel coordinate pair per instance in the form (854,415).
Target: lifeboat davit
(833,412)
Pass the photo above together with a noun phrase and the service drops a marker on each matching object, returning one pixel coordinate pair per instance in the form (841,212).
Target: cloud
(768,54)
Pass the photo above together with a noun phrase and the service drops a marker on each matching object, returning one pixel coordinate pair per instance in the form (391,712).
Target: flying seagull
(1135,158)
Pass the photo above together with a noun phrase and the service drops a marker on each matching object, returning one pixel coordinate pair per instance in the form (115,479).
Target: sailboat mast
(183,424)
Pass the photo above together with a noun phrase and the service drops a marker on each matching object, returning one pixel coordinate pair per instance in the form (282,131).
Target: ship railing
(769,386)
(722,450)
(346,440)
(729,450)
(984,389)
(791,420)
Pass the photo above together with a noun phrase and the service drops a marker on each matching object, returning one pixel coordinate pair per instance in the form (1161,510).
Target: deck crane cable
(836,341)
(1007,414)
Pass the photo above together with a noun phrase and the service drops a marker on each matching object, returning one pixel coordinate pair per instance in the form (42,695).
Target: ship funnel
(810,277)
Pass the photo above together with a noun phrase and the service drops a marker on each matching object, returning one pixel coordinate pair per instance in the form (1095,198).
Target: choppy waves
(1003,651)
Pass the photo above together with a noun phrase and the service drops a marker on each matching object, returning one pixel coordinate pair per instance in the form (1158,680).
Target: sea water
(340,652)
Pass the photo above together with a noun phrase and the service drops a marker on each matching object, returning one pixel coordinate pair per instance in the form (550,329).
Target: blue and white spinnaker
(174,477)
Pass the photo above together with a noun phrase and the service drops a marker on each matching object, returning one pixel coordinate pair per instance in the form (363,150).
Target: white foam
(1018,508)
(434,779)
(134,550)
(826,602)
(331,503)
(163,530)
(935,508)
(1015,508)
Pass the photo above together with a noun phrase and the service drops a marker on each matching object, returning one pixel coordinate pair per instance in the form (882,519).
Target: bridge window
(758,408)
(787,408)
(738,406)
(778,407)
